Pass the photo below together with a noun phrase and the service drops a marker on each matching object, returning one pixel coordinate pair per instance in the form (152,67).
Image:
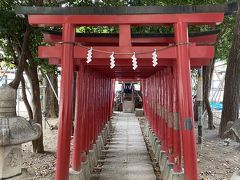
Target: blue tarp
(216,105)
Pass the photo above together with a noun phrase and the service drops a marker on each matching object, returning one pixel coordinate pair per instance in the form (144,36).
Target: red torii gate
(166,88)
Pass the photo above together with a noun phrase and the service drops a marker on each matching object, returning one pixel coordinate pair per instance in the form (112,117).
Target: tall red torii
(179,57)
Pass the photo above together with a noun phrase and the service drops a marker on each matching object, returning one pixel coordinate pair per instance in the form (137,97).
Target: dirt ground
(42,166)
(217,161)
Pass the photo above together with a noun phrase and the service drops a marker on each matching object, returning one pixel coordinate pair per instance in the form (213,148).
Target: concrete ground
(127,157)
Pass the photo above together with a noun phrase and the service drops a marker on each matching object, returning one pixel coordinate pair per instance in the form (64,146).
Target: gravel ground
(42,166)
(216,160)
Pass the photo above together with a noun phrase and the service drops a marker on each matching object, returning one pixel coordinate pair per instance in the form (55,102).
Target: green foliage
(11,31)
(97,29)
(13,27)
(225,40)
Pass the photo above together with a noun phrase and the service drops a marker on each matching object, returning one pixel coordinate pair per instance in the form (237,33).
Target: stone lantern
(14,130)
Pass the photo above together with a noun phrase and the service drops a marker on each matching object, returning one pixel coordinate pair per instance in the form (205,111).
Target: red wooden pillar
(78,123)
(94,107)
(111,88)
(100,102)
(65,111)
(98,112)
(162,130)
(170,115)
(157,105)
(142,82)
(106,98)
(112,96)
(109,93)
(84,112)
(144,92)
(97,107)
(165,110)
(155,102)
(104,101)
(177,167)
(90,107)
(148,89)
(87,112)
(91,104)
(146,100)
(112,81)
(151,102)
(184,99)
(165,116)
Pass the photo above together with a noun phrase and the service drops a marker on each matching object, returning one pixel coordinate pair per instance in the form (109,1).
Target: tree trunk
(207,83)
(22,60)
(51,100)
(232,79)
(207,79)
(36,103)
(25,100)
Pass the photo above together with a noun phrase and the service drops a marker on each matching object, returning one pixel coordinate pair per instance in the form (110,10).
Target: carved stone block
(10,161)
(139,112)
(7,101)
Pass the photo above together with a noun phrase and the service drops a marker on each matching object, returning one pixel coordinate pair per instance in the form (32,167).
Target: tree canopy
(12,27)
(19,40)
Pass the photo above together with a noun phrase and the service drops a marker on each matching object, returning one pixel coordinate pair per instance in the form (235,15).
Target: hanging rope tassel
(112,60)
(154,58)
(89,55)
(134,61)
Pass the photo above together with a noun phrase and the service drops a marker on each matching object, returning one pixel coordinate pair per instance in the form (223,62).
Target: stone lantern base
(10,161)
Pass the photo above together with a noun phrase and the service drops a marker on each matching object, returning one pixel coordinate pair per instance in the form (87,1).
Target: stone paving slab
(127,157)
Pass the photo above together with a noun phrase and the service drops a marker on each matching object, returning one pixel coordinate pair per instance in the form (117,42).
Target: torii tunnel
(166,88)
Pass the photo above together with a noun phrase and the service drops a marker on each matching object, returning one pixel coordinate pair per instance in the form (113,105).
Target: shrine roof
(228,8)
